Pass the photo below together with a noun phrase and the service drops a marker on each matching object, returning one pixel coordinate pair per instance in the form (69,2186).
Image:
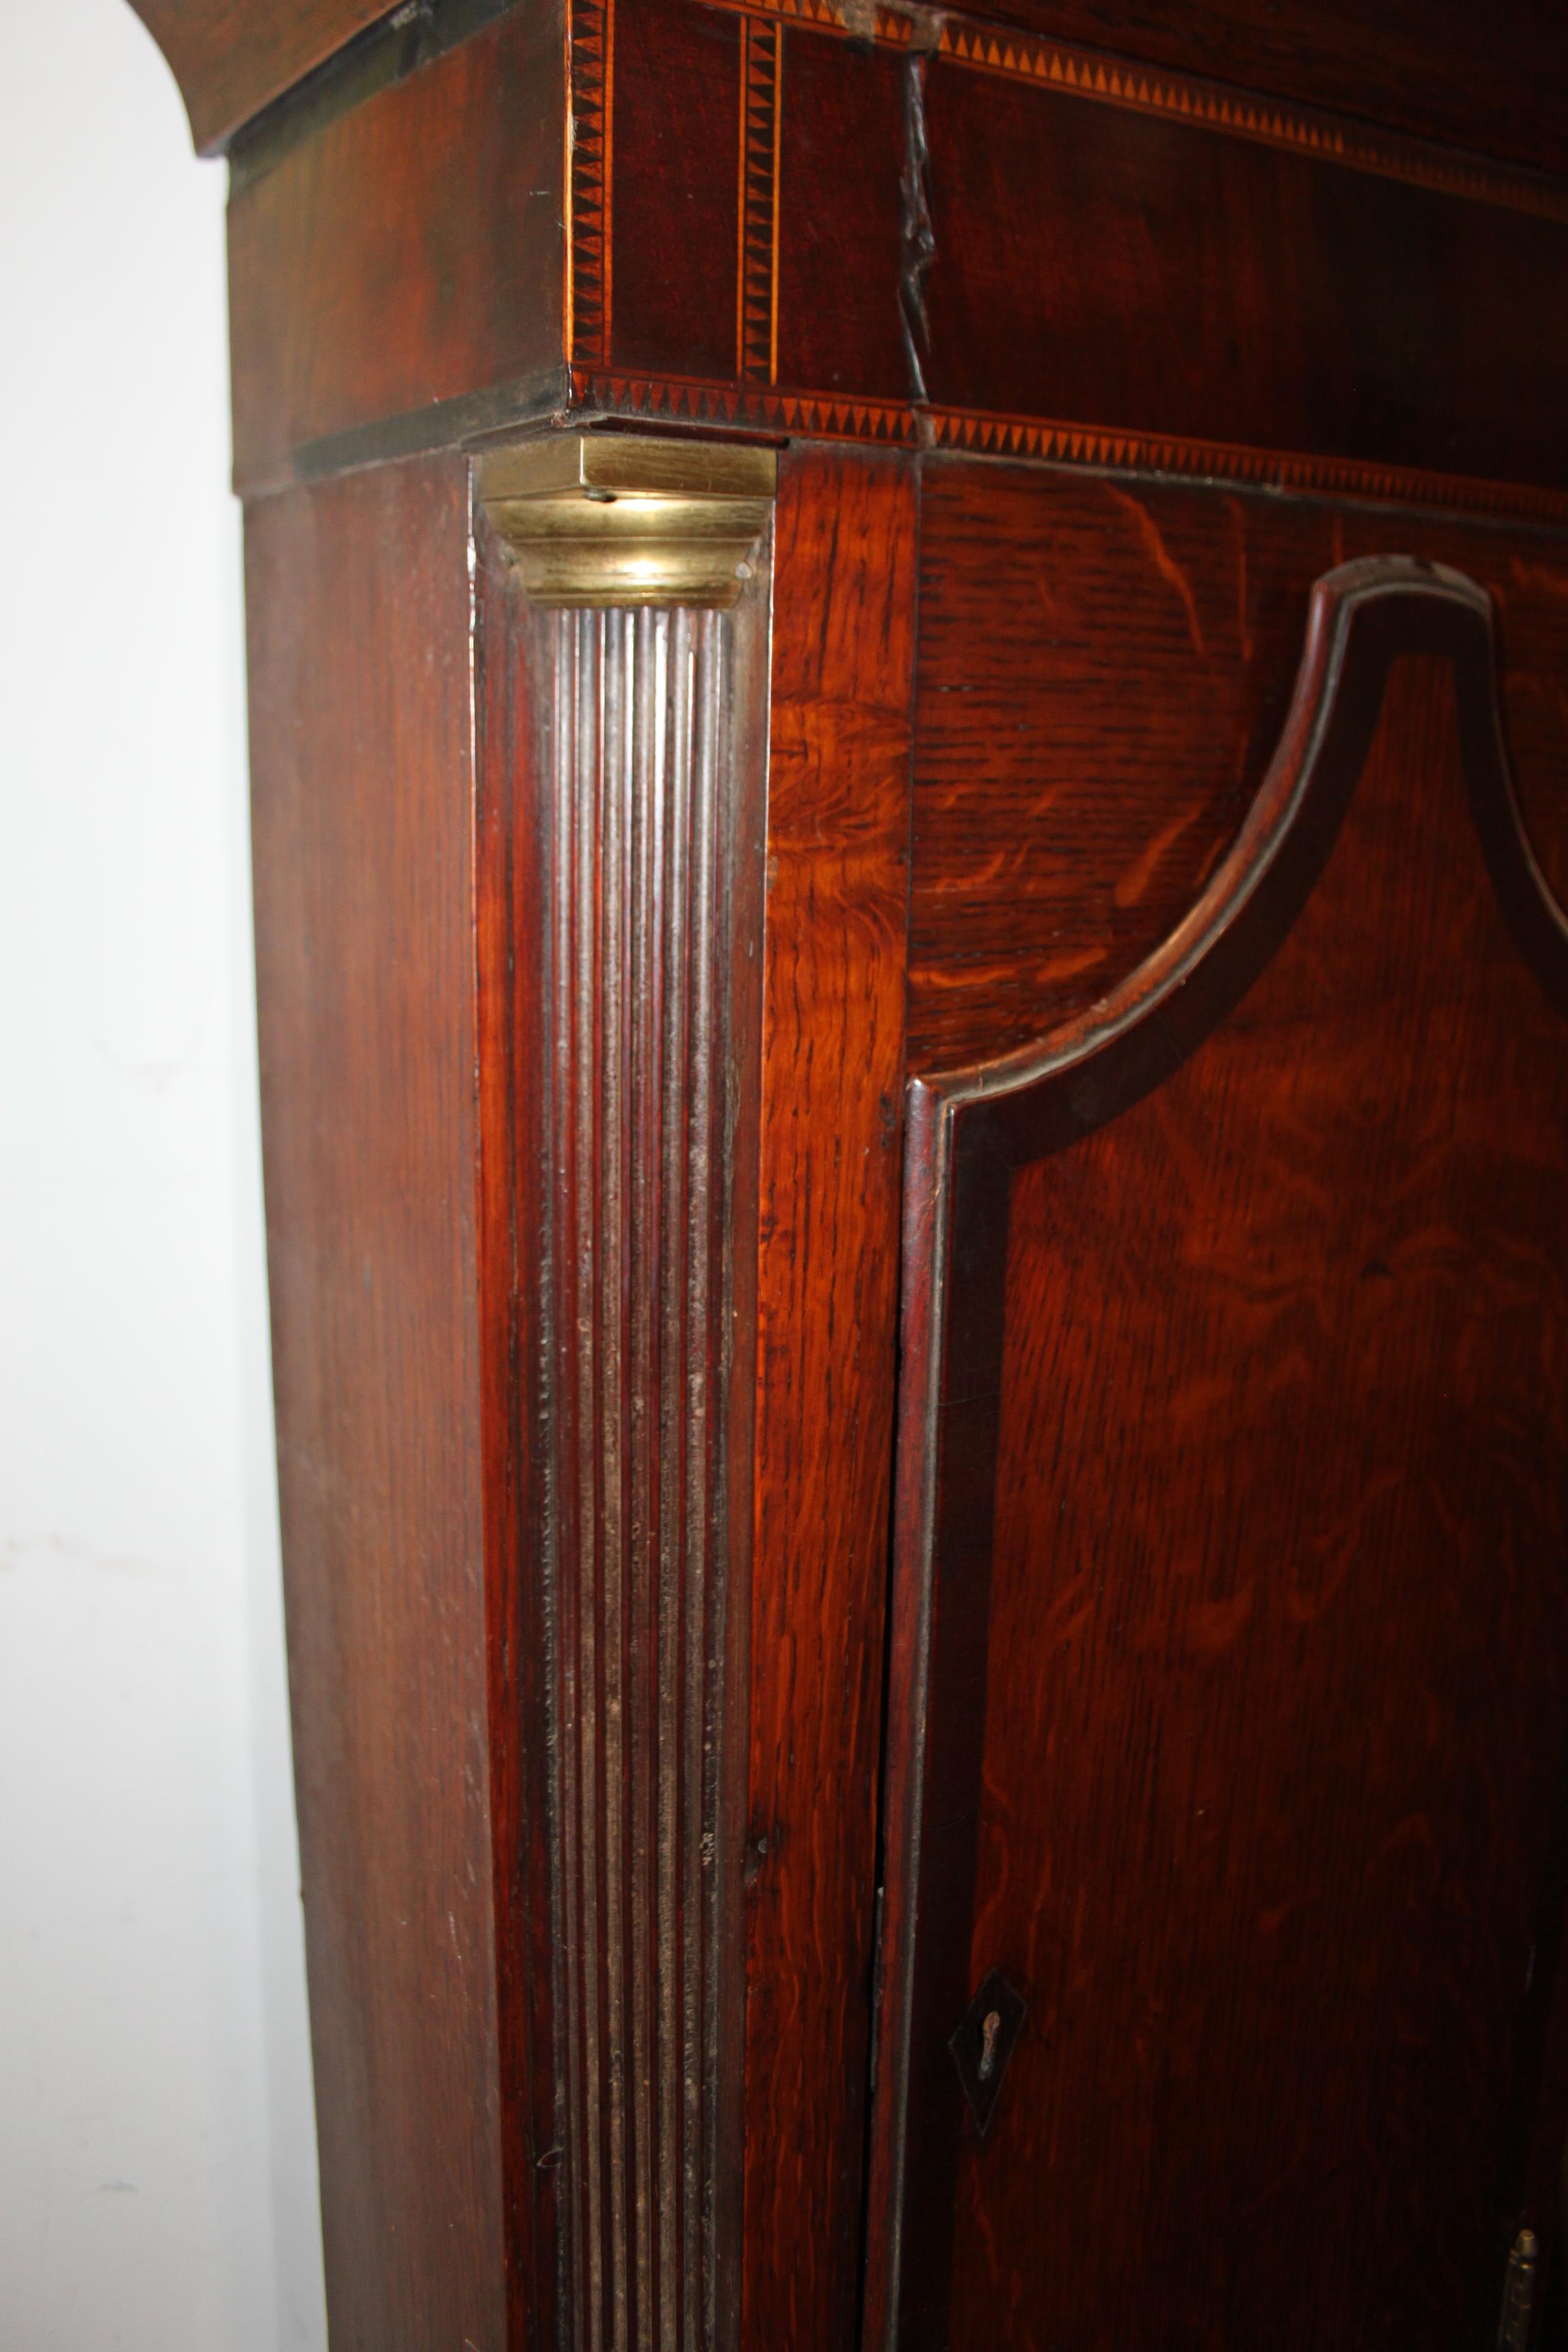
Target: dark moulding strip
(411,35)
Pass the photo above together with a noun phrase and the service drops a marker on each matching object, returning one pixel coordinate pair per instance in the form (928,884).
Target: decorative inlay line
(1045,441)
(1206,105)
(590,139)
(1155,453)
(761,118)
(689,400)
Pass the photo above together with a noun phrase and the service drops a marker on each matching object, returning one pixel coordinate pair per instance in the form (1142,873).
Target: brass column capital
(619,519)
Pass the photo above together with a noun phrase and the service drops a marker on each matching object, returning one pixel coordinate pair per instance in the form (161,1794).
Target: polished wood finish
(1497,86)
(1232,1644)
(646,799)
(1069,809)
(1298,343)
(231,59)
(1384,324)
(511,1018)
(408,253)
(622,758)
(827,1308)
(1492,85)
(363,780)
(597,953)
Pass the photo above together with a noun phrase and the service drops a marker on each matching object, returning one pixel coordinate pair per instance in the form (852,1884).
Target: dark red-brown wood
(232,58)
(1078,274)
(1087,744)
(622,763)
(1134,270)
(1231,1644)
(408,253)
(363,780)
(584,1182)
(1496,84)
(832,1074)
(511,906)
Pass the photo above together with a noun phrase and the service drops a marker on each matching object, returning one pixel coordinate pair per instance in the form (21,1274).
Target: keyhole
(988,2033)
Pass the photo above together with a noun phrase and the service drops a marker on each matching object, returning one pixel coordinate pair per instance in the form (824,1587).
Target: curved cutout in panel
(1362,617)
(968,1131)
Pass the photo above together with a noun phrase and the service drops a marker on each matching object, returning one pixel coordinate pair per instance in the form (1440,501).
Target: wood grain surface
(1499,86)
(1193,284)
(512,997)
(1087,744)
(677,116)
(1496,84)
(832,1074)
(1079,275)
(410,253)
(362,779)
(232,58)
(624,754)
(1236,1548)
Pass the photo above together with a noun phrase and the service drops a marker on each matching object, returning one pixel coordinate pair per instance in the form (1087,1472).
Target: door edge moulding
(1084,1073)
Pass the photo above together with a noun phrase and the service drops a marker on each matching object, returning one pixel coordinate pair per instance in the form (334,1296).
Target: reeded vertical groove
(654,802)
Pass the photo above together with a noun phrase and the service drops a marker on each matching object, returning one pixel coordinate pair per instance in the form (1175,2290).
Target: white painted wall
(157,2162)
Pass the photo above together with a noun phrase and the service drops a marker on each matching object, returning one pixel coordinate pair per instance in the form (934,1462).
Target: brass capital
(601,519)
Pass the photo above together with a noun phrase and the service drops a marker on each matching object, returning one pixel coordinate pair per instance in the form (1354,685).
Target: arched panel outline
(967,1130)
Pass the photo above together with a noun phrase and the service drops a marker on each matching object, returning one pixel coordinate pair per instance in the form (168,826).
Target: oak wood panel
(410,252)
(232,58)
(1495,83)
(1088,742)
(1253,1784)
(832,1071)
(362,781)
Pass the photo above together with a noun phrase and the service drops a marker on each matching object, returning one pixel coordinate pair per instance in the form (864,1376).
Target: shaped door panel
(1230,1700)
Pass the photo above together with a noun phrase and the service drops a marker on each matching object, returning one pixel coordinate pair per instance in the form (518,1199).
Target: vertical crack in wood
(919,234)
(654,795)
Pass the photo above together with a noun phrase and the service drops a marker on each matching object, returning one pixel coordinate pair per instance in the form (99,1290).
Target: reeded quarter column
(623,637)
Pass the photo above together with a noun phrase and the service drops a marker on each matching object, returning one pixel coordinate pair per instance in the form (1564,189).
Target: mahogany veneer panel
(409,252)
(1243,1746)
(1494,82)
(1176,279)
(826,1293)
(231,58)
(363,783)
(675,120)
(841,143)
(1497,84)
(1126,270)
(1087,744)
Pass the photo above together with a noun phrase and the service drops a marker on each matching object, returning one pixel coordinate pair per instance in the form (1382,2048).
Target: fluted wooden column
(631,750)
